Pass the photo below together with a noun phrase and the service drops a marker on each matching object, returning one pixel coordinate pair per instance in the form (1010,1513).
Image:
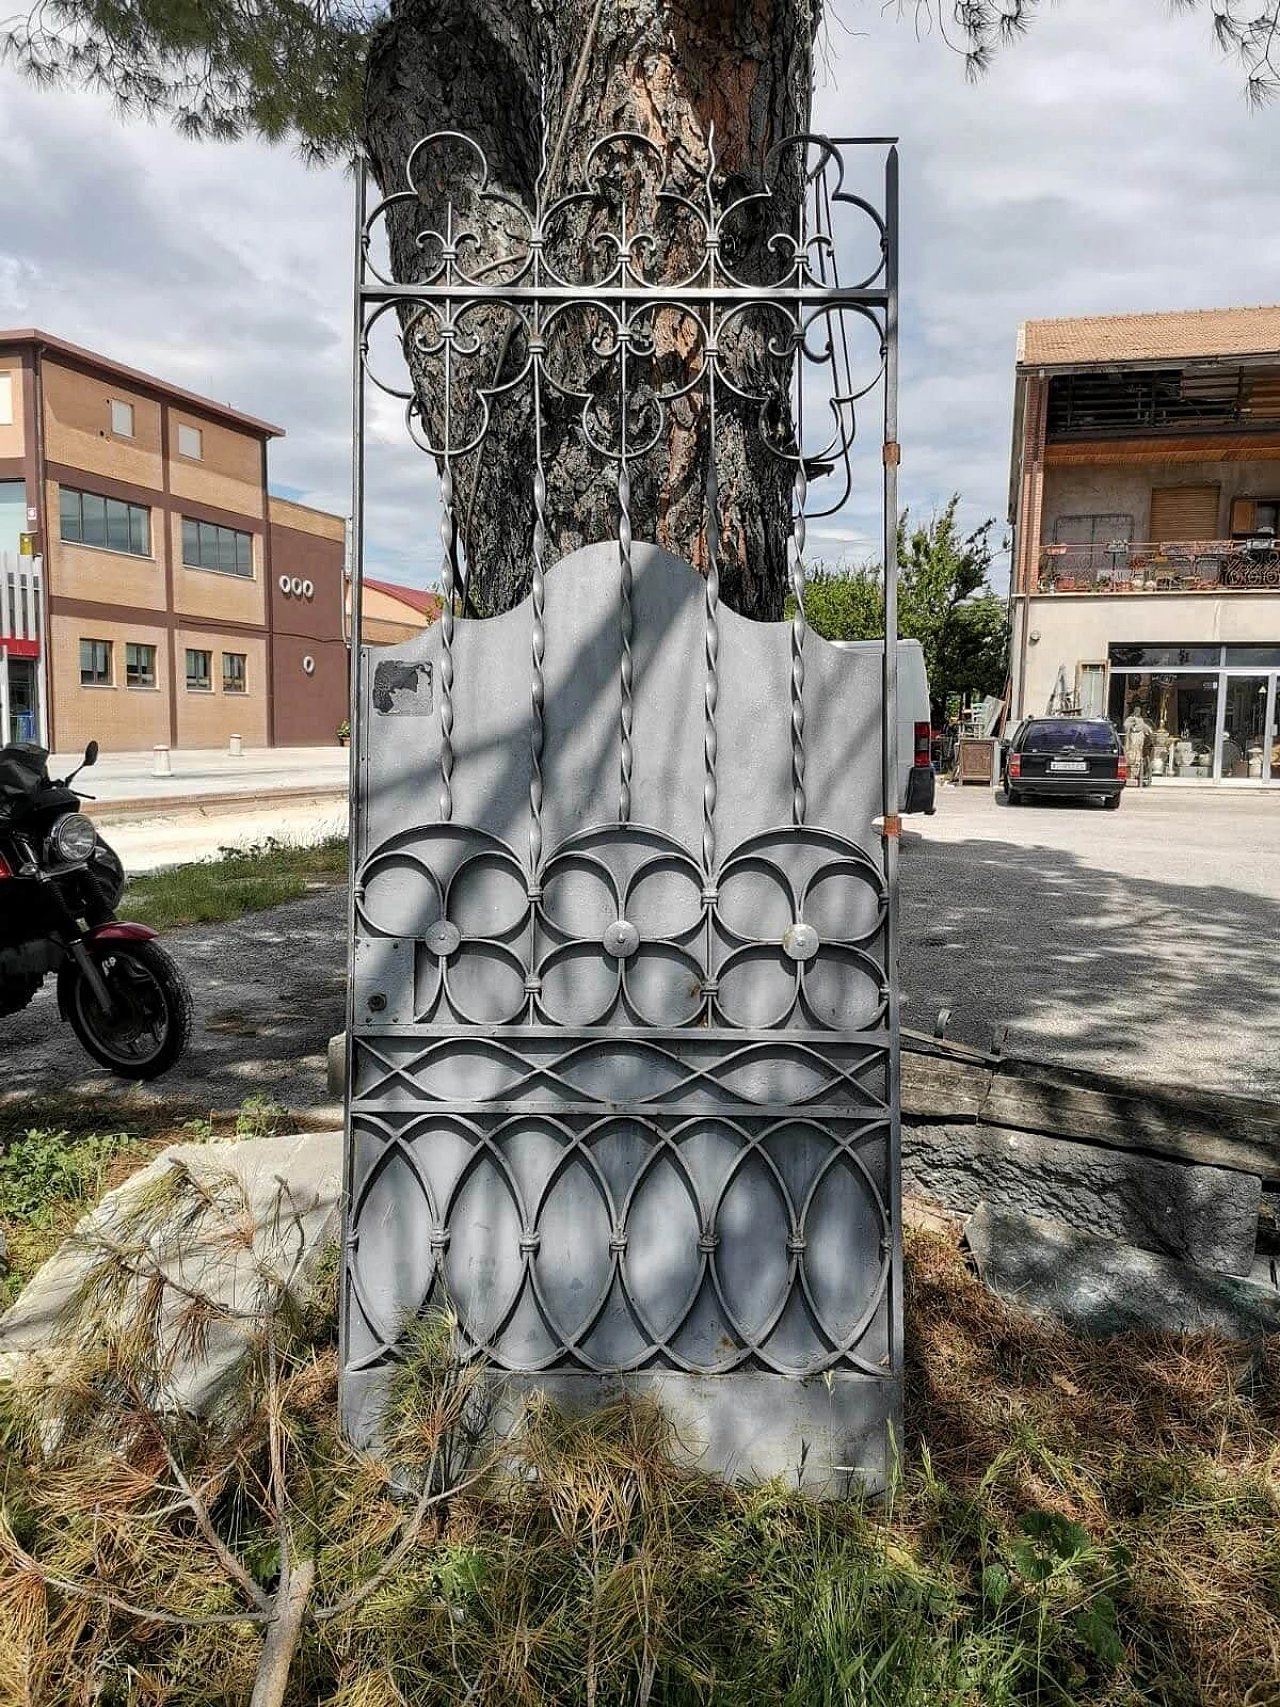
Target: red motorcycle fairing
(120,930)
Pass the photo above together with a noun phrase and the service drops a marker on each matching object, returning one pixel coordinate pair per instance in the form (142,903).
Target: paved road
(188,833)
(257,772)
(1144,941)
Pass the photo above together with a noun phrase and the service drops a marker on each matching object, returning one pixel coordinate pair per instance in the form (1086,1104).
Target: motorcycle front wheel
(149,1025)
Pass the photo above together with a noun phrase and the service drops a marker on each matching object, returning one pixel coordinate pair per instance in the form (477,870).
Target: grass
(1093,1523)
(240,881)
(58,1156)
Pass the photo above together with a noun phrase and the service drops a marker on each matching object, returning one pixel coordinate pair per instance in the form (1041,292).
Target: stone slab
(1101,1287)
(310,1164)
(1201,1215)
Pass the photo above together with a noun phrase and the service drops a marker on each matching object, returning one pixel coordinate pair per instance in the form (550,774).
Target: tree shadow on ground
(1090,968)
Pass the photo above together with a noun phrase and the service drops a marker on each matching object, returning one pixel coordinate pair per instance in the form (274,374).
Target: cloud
(1107,163)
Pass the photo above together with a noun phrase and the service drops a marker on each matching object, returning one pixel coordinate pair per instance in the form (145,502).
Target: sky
(1108,163)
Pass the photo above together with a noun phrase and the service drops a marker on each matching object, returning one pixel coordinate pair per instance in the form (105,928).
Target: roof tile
(1185,334)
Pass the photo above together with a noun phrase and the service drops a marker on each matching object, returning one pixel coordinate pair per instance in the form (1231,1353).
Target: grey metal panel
(623,1087)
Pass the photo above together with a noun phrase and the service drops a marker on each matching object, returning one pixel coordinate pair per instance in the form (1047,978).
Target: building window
(6,399)
(190,442)
(199,671)
(224,550)
(139,665)
(122,419)
(233,672)
(95,663)
(109,523)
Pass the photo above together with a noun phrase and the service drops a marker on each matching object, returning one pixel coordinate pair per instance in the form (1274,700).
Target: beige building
(152,591)
(1145,499)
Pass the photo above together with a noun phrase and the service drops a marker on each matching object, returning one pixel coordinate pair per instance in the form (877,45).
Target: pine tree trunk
(671,70)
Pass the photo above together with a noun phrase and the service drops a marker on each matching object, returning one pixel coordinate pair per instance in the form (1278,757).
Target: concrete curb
(108,811)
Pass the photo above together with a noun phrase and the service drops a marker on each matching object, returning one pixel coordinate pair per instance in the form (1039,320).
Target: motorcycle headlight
(73,838)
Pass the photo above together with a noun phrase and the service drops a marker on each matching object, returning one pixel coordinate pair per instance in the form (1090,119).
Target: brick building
(1145,498)
(151,589)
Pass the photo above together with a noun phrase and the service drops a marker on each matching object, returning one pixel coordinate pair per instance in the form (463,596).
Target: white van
(917,781)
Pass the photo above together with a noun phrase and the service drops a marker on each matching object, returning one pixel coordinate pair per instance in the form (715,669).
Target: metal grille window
(233,672)
(139,665)
(199,671)
(86,518)
(95,663)
(225,551)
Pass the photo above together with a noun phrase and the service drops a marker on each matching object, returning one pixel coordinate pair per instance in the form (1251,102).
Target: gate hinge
(889,825)
(892,453)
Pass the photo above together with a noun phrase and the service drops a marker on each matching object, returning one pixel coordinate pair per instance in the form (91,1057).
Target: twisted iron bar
(448,538)
(538,642)
(799,628)
(627,612)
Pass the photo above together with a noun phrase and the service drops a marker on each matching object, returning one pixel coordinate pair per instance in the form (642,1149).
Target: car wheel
(1013,796)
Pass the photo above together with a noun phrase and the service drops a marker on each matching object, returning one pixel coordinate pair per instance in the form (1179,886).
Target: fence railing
(1125,566)
(21,591)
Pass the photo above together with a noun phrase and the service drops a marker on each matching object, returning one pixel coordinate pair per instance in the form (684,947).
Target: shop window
(139,665)
(233,672)
(199,671)
(86,518)
(122,419)
(1163,657)
(95,663)
(190,442)
(224,551)
(1260,657)
(1182,710)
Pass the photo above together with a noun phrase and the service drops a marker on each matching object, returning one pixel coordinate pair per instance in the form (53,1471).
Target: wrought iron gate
(623,1021)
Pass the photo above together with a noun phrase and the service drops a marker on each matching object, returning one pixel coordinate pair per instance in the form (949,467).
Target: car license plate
(1074,765)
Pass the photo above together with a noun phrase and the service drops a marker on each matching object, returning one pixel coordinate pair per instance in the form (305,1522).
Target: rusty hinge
(889,825)
(892,453)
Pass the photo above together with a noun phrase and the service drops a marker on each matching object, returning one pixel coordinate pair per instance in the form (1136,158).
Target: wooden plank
(1184,1124)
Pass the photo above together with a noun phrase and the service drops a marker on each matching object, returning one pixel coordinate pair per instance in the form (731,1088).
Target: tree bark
(292,1598)
(670,70)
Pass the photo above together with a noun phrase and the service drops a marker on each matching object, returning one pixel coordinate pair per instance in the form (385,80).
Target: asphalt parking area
(1143,941)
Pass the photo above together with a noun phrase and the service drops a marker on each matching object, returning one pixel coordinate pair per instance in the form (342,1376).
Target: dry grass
(1094,1524)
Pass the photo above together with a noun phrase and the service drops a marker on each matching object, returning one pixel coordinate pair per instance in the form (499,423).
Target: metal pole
(355,740)
(892,803)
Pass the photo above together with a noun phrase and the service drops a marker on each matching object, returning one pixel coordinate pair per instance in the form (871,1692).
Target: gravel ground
(1143,941)
(269,993)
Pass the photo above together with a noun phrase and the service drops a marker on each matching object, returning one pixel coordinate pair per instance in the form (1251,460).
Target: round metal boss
(622,939)
(800,941)
(443,937)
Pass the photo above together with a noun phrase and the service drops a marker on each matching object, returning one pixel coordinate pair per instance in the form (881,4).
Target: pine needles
(1075,1522)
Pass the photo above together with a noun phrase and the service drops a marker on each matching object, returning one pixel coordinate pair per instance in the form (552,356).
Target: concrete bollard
(160,762)
(235,747)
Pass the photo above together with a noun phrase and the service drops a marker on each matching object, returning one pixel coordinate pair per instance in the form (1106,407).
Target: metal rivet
(622,939)
(800,941)
(443,938)
(377,1003)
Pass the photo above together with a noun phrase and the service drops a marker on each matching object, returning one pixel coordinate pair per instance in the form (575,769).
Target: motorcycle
(60,885)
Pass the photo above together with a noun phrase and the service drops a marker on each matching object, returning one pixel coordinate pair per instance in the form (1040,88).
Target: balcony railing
(1182,566)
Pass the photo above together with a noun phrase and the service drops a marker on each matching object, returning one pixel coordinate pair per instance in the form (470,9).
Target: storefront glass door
(1247,728)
